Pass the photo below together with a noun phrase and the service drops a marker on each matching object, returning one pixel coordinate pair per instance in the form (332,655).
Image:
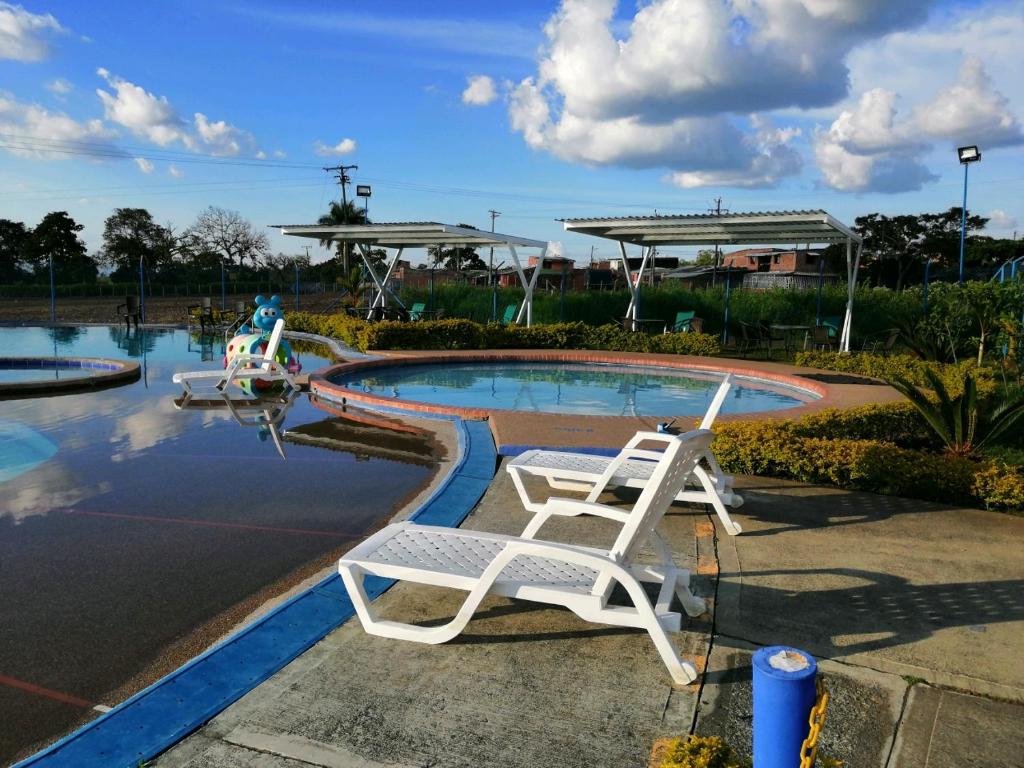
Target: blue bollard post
(784,693)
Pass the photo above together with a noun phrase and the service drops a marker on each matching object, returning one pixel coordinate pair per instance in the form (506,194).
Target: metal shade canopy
(757,228)
(420,234)
(718,229)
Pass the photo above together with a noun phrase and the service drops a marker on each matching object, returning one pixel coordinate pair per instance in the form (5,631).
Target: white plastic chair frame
(587,473)
(578,578)
(242,367)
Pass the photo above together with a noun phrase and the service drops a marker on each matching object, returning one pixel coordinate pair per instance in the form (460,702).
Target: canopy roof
(408,234)
(718,229)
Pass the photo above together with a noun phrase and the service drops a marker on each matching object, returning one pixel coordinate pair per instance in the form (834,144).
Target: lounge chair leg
(731,527)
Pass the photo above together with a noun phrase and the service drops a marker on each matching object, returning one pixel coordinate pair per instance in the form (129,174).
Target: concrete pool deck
(920,632)
(515,431)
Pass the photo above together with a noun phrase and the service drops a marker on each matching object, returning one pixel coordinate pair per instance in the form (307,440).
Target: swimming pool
(569,388)
(132,533)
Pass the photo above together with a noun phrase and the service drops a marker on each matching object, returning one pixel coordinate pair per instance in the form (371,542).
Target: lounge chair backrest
(416,311)
(510,314)
(716,403)
(273,343)
(675,465)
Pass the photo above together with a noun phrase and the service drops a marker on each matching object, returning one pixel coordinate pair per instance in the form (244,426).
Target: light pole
(967,156)
(364,191)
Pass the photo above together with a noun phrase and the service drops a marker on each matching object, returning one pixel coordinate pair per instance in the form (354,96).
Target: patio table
(789,331)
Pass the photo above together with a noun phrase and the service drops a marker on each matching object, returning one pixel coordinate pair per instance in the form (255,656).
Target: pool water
(50,373)
(126,524)
(574,388)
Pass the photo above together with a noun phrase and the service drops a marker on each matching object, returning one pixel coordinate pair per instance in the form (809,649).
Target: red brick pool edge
(514,430)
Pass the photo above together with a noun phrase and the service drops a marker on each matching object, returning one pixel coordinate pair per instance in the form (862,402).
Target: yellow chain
(816,721)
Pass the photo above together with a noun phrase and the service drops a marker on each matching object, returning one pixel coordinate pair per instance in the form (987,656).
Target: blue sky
(537,109)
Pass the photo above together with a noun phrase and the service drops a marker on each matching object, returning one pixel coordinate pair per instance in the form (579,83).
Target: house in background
(779,267)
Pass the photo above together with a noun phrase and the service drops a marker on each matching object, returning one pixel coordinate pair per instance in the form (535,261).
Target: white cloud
(155,119)
(260,155)
(144,114)
(280,154)
(1000,219)
(343,147)
(480,91)
(23,35)
(222,138)
(671,87)
(36,132)
(59,87)
(970,111)
(175,171)
(869,148)
(144,165)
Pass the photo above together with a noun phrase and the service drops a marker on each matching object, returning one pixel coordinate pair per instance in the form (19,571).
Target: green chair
(510,314)
(834,324)
(417,311)
(682,323)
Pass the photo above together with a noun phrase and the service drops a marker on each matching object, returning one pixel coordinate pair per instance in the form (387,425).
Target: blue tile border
(157,717)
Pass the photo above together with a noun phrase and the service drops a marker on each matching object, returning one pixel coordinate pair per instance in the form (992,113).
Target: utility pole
(344,180)
(490,270)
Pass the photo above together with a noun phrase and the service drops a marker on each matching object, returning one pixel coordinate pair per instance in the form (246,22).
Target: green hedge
(792,449)
(464,334)
(910,368)
(875,309)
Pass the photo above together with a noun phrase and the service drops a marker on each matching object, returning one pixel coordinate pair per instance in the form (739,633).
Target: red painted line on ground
(66,698)
(210,523)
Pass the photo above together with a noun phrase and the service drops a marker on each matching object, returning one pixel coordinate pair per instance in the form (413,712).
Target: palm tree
(343,213)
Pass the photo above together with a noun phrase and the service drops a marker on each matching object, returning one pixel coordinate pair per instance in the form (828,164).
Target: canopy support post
(381,299)
(630,310)
(526,310)
(852,267)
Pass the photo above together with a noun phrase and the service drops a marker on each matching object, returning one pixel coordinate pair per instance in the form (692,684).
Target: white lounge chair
(579,578)
(240,368)
(587,473)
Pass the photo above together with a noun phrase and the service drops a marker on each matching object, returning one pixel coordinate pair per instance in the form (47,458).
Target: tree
(940,237)
(129,236)
(343,213)
(56,236)
(706,258)
(892,240)
(14,239)
(456,258)
(228,236)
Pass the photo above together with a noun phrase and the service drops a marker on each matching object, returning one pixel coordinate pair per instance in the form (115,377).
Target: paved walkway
(905,601)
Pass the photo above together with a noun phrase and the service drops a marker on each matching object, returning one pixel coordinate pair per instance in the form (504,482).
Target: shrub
(899,366)
(464,334)
(898,423)
(785,449)
(700,752)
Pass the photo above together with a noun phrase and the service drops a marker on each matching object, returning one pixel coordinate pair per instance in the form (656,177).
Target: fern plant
(963,423)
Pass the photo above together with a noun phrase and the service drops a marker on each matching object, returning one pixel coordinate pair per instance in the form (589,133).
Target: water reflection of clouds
(49,486)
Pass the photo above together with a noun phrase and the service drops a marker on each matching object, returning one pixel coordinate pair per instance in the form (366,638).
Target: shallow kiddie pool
(132,534)
(568,387)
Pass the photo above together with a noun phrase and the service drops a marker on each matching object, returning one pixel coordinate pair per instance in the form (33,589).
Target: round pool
(605,389)
(28,376)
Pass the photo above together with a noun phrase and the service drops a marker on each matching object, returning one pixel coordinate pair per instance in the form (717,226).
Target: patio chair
(576,577)
(750,338)
(242,367)
(588,473)
(882,344)
(682,322)
(822,338)
(510,314)
(202,313)
(418,311)
(834,323)
(129,311)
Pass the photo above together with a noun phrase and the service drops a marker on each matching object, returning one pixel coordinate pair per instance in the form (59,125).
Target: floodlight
(968,154)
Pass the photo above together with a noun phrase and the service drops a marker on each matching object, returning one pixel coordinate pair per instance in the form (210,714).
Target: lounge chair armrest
(558,505)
